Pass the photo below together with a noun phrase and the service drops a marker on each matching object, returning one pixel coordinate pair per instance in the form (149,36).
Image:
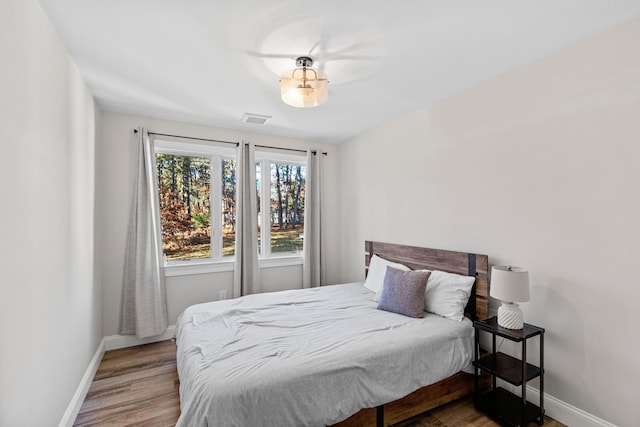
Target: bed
(326,356)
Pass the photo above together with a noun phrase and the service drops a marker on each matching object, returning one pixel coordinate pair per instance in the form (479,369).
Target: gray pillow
(403,292)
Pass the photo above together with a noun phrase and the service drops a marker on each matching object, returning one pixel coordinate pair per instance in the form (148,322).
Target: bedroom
(562,127)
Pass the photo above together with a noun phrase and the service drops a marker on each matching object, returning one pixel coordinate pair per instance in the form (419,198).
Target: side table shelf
(507,368)
(505,407)
(502,405)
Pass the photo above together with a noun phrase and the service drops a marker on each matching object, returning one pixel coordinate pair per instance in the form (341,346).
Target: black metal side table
(500,404)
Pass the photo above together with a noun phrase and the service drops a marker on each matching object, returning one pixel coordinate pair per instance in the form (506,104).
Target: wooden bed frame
(456,386)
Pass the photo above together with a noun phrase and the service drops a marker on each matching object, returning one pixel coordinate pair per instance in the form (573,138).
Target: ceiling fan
(306,85)
(339,48)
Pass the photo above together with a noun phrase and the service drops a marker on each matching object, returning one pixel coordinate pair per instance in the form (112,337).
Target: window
(196,185)
(280,180)
(197,191)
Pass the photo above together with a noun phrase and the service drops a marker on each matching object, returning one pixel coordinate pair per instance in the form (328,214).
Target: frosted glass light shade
(303,87)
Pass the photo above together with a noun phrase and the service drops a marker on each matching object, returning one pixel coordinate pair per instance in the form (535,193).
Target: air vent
(255,119)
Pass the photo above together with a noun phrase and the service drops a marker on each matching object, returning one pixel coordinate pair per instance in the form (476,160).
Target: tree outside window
(184,186)
(198,224)
(283,223)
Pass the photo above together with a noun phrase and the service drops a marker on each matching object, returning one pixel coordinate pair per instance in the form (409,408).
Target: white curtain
(144,302)
(246,278)
(312,269)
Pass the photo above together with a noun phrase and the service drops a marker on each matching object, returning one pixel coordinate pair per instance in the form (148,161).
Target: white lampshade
(510,285)
(303,87)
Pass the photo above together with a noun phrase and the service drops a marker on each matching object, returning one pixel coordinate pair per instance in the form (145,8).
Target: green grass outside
(282,241)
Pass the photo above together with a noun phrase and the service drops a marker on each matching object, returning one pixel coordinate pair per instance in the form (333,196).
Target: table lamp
(510,285)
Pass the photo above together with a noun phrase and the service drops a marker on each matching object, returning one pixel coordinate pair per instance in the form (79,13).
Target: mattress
(309,357)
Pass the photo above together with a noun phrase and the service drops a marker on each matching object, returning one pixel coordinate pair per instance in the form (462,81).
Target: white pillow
(447,294)
(377,271)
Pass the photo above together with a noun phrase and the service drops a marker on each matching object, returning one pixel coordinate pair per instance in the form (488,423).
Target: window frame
(216,154)
(267,157)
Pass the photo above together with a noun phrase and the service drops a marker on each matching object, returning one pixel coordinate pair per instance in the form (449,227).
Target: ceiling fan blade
(321,45)
(354,47)
(314,47)
(332,57)
(270,55)
(348,52)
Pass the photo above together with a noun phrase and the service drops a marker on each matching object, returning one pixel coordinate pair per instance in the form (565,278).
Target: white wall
(50,304)
(537,168)
(116,165)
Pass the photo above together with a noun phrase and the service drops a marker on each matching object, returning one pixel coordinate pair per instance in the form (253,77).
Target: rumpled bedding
(309,357)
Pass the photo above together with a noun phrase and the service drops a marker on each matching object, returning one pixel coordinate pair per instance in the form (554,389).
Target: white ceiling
(209,61)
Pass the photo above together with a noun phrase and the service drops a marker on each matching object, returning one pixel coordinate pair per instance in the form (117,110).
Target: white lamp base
(510,316)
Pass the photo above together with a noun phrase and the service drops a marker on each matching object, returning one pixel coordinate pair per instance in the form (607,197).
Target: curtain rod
(189,137)
(289,149)
(228,142)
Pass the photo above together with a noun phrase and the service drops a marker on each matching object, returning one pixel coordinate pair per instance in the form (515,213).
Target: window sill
(201,267)
(281,261)
(197,267)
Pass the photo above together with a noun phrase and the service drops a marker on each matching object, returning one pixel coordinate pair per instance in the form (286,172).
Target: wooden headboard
(435,259)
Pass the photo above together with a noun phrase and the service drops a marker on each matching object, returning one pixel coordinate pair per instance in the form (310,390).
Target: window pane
(228,207)
(184,189)
(287,207)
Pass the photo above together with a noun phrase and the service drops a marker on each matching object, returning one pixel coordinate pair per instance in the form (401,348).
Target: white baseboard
(114,342)
(559,410)
(565,413)
(74,406)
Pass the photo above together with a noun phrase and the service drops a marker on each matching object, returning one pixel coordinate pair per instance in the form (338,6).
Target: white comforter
(308,357)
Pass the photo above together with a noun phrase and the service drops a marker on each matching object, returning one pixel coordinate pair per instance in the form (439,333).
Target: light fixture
(510,285)
(303,86)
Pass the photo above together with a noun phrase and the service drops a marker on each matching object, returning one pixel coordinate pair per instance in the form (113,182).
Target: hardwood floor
(138,386)
(134,386)
(458,414)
